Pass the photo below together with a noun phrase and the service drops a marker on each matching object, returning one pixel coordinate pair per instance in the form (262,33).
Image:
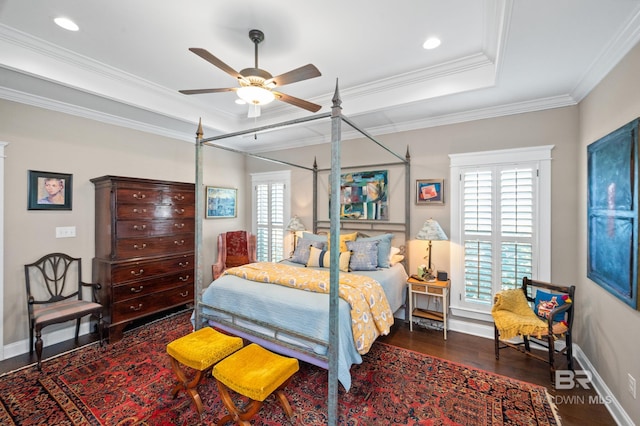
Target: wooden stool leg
(188,385)
(282,397)
(240,416)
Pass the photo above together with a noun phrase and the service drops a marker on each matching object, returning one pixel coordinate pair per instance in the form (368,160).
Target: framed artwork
(364,196)
(49,191)
(221,202)
(430,191)
(612,210)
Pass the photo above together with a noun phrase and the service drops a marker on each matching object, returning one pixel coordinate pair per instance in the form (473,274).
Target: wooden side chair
(235,248)
(539,312)
(54,295)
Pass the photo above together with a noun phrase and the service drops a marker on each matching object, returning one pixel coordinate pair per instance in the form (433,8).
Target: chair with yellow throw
(539,312)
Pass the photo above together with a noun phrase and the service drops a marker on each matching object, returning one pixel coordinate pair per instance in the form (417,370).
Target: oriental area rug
(129,383)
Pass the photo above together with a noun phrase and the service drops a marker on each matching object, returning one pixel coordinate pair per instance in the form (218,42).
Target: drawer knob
(179,211)
(178,243)
(178,197)
(136,308)
(179,225)
(183,265)
(140,247)
(185,294)
(139,210)
(139,196)
(139,227)
(183,279)
(137,273)
(137,290)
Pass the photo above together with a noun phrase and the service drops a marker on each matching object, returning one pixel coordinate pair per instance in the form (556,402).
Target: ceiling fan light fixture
(255,95)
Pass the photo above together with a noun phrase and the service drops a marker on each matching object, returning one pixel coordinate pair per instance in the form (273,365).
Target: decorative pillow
(384,248)
(343,241)
(321,259)
(546,302)
(315,237)
(396,258)
(364,255)
(237,251)
(301,253)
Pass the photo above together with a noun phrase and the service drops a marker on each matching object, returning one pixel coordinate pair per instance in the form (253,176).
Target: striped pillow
(321,259)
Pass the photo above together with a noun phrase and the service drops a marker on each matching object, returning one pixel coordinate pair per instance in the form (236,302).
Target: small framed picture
(221,202)
(430,191)
(49,191)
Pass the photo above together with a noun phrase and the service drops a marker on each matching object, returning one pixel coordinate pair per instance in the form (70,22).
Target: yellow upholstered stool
(199,350)
(255,373)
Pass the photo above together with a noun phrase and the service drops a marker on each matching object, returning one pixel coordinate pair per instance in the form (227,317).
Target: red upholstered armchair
(235,248)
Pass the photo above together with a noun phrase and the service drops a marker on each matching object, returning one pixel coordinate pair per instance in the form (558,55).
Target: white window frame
(541,156)
(284,177)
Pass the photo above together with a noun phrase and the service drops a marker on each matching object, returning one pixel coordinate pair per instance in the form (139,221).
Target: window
(270,208)
(500,219)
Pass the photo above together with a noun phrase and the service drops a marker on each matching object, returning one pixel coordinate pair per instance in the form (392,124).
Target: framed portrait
(49,191)
(430,191)
(221,202)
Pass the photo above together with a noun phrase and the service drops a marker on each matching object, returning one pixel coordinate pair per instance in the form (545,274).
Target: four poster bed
(276,312)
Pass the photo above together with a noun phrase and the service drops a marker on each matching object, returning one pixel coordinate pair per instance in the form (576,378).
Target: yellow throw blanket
(371,315)
(513,316)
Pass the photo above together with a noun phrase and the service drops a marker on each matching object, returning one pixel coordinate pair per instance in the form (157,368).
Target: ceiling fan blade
(301,103)
(207,56)
(303,73)
(200,91)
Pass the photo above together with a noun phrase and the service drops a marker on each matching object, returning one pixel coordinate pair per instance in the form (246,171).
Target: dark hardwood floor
(461,348)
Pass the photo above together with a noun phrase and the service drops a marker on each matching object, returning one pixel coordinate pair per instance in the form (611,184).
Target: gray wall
(43,140)
(608,328)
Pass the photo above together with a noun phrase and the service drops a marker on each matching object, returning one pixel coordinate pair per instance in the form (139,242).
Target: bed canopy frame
(334,225)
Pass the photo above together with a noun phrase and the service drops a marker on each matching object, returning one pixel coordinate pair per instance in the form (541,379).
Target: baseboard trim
(22,346)
(615,409)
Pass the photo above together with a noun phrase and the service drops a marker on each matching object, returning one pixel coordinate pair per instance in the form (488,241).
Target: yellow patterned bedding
(371,315)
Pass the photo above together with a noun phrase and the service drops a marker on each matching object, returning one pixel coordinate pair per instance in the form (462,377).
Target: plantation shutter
(498,229)
(271,206)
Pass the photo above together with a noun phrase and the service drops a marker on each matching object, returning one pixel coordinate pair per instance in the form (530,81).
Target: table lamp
(295,225)
(431,231)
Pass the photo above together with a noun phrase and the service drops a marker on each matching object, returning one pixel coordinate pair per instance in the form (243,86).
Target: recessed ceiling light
(432,43)
(67,24)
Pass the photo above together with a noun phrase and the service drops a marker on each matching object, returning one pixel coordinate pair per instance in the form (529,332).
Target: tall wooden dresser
(144,248)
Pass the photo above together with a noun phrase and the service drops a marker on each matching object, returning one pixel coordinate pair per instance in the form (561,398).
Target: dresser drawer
(146,228)
(132,271)
(141,306)
(139,195)
(154,211)
(144,287)
(143,247)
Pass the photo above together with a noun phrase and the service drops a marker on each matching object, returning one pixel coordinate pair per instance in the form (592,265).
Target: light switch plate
(65,231)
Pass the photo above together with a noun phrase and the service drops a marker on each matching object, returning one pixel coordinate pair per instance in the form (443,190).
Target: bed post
(407,221)
(199,219)
(315,196)
(334,214)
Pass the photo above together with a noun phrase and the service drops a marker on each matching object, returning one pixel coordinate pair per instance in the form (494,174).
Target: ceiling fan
(257,85)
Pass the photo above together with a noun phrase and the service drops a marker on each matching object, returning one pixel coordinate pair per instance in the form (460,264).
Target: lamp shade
(295,224)
(431,231)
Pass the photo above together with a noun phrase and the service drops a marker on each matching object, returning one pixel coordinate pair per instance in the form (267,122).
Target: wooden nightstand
(430,289)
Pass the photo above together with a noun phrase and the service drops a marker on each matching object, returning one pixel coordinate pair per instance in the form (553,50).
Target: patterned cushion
(364,255)
(546,302)
(384,248)
(321,259)
(301,253)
